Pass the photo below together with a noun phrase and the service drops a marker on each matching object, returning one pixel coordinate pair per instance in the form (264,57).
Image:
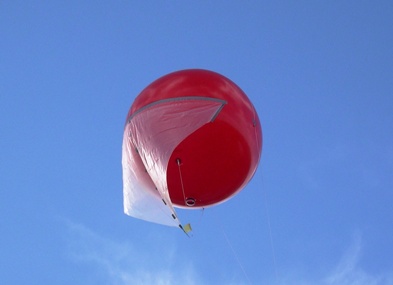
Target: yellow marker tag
(187,228)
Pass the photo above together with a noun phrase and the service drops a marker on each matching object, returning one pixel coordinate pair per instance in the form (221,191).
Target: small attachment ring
(190,202)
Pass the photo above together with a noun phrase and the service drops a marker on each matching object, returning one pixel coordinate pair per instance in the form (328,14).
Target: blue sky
(319,209)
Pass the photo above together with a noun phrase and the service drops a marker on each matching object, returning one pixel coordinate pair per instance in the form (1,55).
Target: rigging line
(199,221)
(202,212)
(270,228)
(181,180)
(236,256)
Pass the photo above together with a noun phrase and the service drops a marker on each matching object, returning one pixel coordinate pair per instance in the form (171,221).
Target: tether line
(181,180)
(236,256)
(270,230)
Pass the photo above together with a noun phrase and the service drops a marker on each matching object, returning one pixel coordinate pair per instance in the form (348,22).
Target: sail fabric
(151,135)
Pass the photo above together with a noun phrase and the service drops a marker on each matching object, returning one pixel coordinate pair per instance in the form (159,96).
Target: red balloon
(213,162)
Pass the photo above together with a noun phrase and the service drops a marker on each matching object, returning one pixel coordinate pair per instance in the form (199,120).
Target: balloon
(192,139)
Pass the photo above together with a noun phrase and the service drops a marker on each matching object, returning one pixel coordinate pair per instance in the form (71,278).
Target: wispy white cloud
(123,264)
(348,271)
